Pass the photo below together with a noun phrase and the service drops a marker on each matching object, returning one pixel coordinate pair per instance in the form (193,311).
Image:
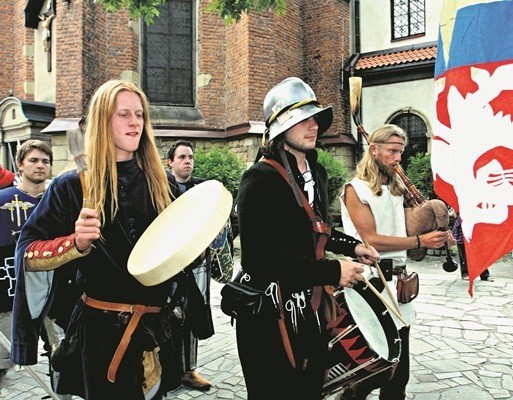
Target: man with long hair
(373,210)
(283,256)
(118,321)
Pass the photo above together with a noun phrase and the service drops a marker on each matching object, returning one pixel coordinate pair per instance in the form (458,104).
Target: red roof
(401,57)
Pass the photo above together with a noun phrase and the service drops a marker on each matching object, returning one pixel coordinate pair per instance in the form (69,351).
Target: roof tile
(401,57)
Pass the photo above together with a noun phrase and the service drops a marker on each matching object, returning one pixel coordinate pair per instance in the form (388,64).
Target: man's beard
(36,180)
(384,170)
(295,146)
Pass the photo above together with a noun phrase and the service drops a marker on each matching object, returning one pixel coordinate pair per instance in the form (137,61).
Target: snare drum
(364,340)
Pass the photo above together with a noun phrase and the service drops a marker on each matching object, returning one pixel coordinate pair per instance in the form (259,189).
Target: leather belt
(137,311)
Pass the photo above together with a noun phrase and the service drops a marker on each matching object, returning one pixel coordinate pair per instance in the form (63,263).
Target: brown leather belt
(137,311)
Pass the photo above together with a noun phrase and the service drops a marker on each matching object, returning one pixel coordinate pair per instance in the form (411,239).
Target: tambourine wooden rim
(180,233)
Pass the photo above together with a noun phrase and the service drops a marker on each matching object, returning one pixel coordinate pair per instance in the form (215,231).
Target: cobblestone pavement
(461,346)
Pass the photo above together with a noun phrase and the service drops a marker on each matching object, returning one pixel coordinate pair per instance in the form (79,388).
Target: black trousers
(268,374)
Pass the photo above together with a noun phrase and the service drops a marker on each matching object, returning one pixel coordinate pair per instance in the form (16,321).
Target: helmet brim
(323,115)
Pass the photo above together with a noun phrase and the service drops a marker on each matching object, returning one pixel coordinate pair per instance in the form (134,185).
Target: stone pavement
(461,346)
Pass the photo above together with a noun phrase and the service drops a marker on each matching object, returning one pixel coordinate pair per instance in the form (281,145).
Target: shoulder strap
(318,226)
(295,188)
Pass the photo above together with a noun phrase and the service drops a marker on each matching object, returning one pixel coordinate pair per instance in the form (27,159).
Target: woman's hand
(87,229)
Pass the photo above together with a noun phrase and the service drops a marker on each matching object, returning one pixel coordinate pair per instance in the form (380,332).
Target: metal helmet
(290,102)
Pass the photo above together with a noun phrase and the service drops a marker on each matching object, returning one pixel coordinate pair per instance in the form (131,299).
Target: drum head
(180,233)
(367,322)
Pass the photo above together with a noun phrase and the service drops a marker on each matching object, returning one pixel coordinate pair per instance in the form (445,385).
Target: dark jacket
(102,275)
(271,219)
(175,189)
(278,245)
(185,291)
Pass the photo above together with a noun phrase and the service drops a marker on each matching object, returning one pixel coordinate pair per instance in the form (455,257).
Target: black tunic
(277,245)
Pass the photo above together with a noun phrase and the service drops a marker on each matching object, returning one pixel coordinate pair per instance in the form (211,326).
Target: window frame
(393,19)
(145,37)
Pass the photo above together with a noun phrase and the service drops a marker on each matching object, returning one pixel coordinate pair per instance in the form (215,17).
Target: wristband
(417,241)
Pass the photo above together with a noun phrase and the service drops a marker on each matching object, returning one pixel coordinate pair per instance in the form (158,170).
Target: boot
(195,380)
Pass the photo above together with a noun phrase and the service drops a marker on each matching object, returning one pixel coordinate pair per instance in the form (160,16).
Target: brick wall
(237,73)
(17,72)
(276,53)
(92,47)
(212,59)
(326,43)
(236,65)
(7,48)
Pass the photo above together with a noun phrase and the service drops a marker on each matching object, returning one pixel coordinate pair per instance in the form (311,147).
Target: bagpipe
(421,215)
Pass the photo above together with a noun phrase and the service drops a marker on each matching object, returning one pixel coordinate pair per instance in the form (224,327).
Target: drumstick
(389,291)
(380,296)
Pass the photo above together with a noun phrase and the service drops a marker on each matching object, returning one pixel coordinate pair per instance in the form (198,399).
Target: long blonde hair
(367,169)
(101,153)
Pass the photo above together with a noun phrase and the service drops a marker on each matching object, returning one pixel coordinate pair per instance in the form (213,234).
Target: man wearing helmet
(280,252)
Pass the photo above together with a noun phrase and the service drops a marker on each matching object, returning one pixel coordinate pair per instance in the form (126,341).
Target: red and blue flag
(472,152)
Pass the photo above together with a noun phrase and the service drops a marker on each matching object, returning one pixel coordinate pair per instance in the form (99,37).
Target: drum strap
(318,225)
(137,311)
(321,228)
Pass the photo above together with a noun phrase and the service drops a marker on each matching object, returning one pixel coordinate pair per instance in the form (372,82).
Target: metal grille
(408,18)
(416,129)
(168,55)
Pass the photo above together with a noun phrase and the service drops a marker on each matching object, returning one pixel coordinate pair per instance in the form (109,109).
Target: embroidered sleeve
(45,255)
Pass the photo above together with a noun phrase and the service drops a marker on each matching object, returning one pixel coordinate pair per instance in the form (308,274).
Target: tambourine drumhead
(180,233)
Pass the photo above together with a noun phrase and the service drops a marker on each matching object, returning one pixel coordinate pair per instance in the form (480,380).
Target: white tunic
(388,212)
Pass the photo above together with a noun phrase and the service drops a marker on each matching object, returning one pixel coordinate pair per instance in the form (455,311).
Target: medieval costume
(48,237)
(278,246)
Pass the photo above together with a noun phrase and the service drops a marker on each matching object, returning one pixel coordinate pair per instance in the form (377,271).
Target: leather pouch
(407,287)
(240,300)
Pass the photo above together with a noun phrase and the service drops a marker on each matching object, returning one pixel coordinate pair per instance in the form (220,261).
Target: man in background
(181,162)
(34,161)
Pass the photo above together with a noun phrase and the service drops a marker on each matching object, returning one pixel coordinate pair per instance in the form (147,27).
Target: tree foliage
(337,174)
(232,10)
(222,164)
(229,10)
(419,172)
(145,9)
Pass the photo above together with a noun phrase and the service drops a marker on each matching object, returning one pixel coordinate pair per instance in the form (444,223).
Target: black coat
(278,245)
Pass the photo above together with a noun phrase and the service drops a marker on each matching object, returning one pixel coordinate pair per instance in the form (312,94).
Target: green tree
(419,172)
(229,10)
(337,173)
(221,164)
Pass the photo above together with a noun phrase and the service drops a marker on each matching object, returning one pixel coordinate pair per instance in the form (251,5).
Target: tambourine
(180,233)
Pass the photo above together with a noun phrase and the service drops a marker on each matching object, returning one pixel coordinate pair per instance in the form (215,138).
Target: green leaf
(229,10)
